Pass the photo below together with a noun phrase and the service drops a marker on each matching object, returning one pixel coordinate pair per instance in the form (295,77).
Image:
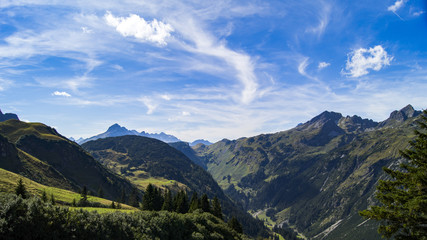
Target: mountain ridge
(116,130)
(315,175)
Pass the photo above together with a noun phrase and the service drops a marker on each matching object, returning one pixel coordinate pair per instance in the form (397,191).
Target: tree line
(31,218)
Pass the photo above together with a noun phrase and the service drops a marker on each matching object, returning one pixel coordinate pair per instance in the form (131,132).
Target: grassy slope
(40,153)
(9,180)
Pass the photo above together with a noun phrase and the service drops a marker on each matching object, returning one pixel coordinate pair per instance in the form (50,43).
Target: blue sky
(208,69)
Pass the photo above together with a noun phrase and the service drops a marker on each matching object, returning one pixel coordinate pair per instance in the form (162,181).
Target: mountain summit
(116,130)
(7,116)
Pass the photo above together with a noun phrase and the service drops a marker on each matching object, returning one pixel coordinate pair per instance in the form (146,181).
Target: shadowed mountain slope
(39,153)
(315,176)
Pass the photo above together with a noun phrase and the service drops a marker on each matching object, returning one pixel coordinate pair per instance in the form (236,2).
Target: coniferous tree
(181,202)
(234,224)
(83,193)
(113,206)
(44,196)
(134,198)
(148,198)
(403,209)
(157,199)
(21,189)
(216,208)
(167,203)
(52,199)
(194,203)
(204,203)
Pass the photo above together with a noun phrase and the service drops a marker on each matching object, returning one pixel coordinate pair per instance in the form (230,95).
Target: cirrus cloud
(361,60)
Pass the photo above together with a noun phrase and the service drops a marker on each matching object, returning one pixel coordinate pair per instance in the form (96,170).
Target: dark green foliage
(44,196)
(167,203)
(52,199)
(194,203)
(204,203)
(181,202)
(403,209)
(34,219)
(286,232)
(134,198)
(234,224)
(21,189)
(216,208)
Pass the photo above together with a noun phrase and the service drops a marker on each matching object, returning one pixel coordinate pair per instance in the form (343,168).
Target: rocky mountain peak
(7,116)
(400,116)
(323,118)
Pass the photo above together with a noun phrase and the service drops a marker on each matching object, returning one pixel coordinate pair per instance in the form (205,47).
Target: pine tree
(44,196)
(194,203)
(234,224)
(52,199)
(204,203)
(134,198)
(21,189)
(403,209)
(113,206)
(167,203)
(216,208)
(148,198)
(157,199)
(181,202)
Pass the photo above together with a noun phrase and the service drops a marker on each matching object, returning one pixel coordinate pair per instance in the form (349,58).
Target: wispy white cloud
(360,61)
(203,42)
(4,84)
(63,94)
(323,18)
(302,66)
(136,26)
(149,103)
(397,5)
(419,13)
(323,65)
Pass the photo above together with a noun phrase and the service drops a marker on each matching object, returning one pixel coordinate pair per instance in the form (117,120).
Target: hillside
(316,176)
(39,153)
(145,160)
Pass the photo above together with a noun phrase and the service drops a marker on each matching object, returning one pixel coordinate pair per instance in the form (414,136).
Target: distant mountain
(41,154)
(7,116)
(316,176)
(116,130)
(200,141)
(145,160)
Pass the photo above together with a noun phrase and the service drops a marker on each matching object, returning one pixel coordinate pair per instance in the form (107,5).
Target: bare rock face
(400,116)
(7,116)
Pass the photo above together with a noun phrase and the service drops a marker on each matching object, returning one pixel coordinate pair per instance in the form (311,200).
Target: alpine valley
(310,181)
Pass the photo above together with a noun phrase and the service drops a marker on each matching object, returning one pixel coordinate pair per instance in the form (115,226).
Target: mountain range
(314,177)
(116,130)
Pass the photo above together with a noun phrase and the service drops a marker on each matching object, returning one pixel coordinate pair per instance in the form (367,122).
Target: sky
(209,69)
